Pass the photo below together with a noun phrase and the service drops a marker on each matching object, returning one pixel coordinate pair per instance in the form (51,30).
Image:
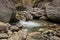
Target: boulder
(3,36)
(20,35)
(54,38)
(24,15)
(27,15)
(34,36)
(4,27)
(20,16)
(49,33)
(14,28)
(42,3)
(53,11)
(37,13)
(6,10)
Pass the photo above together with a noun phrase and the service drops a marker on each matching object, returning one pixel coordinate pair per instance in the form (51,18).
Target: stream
(35,25)
(31,25)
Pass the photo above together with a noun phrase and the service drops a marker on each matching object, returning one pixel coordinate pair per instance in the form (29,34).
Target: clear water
(30,25)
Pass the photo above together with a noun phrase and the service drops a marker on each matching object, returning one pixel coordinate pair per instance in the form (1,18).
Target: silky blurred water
(30,25)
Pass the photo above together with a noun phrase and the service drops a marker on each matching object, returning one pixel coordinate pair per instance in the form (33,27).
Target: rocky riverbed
(45,31)
(25,21)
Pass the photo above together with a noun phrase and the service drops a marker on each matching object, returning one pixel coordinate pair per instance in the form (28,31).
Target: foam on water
(30,24)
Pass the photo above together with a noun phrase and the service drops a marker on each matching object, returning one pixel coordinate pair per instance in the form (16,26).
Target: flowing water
(30,25)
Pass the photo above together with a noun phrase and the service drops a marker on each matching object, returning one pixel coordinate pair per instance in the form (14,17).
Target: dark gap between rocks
(20,8)
(36,17)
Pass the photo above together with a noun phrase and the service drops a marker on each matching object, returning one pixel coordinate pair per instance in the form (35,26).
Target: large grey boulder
(53,11)
(6,9)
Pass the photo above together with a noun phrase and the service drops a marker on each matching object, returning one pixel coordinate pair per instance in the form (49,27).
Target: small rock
(35,9)
(54,38)
(3,39)
(3,36)
(14,28)
(43,18)
(27,15)
(24,15)
(19,25)
(19,16)
(49,33)
(37,13)
(9,32)
(53,26)
(58,31)
(4,27)
(20,35)
(41,30)
(33,36)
